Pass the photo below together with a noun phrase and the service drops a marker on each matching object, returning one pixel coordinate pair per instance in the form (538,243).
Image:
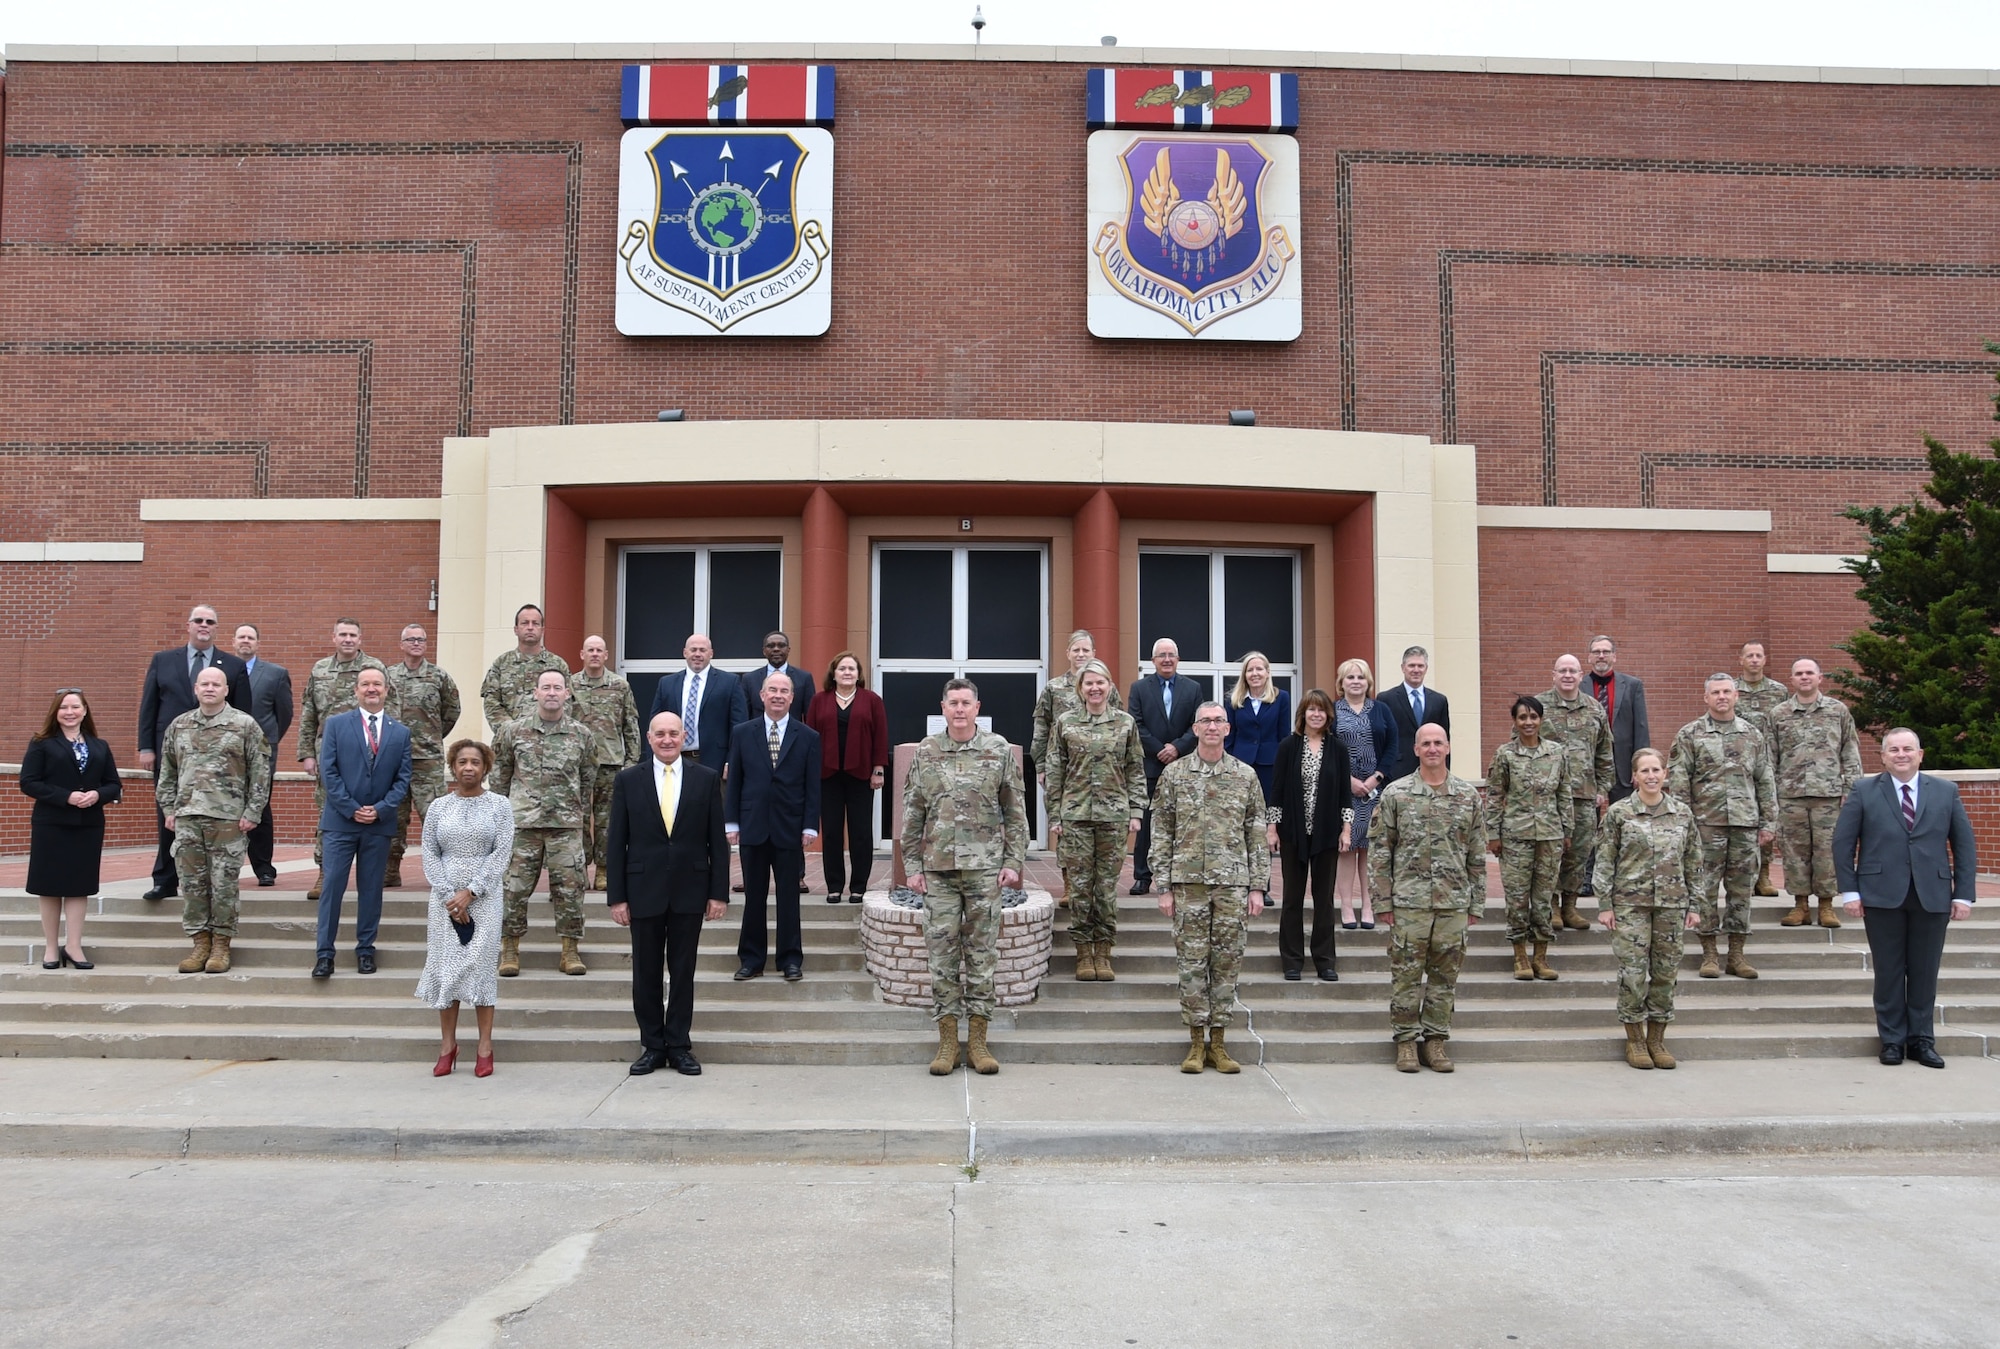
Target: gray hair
(1199,708)
(1719,677)
(1410,651)
(1893,730)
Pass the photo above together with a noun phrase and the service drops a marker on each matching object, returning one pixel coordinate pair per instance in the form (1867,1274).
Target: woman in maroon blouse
(853,731)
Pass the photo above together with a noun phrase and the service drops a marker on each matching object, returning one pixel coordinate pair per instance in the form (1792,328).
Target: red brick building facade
(296,279)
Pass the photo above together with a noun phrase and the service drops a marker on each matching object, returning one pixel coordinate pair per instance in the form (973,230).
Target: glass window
(913,611)
(1004,604)
(665,593)
(1217,605)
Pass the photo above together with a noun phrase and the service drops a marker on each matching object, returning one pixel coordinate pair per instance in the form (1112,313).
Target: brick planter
(892,939)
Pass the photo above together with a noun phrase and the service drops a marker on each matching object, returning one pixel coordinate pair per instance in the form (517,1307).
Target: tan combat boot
(1656,1044)
(218,955)
(947,1050)
(1197,1055)
(1522,969)
(1709,969)
(570,962)
(197,960)
(1406,1056)
(1105,974)
(1086,962)
(1636,1053)
(598,881)
(1540,962)
(1736,964)
(976,1053)
(312,895)
(1571,919)
(1765,890)
(1797,916)
(1436,1057)
(1827,917)
(510,955)
(392,879)
(1218,1057)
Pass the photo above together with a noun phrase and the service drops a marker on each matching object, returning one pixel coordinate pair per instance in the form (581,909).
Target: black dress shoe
(162,891)
(1349,926)
(832,896)
(1924,1052)
(1292,976)
(267,879)
(74,963)
(684,1062)
(793,974)
(647,1062)
(1329,975)
(1892,1054)
(323,968)
(1141,887)
(365,963)
(747,972)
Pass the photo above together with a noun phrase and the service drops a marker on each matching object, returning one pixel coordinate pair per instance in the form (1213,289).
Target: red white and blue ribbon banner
(1194,100)
(727,96)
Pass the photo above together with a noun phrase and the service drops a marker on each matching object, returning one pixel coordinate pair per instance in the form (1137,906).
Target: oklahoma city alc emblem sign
(725,231)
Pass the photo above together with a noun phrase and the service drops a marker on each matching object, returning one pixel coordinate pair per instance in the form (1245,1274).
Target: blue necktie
(1167,696)
(1417,705)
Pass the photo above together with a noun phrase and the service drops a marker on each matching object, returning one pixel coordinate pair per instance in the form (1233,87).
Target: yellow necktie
(667,798)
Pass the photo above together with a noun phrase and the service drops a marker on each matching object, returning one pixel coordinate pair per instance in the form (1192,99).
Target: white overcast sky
(1948,34)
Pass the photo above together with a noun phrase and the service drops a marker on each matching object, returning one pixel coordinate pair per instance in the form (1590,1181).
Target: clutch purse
(464,931)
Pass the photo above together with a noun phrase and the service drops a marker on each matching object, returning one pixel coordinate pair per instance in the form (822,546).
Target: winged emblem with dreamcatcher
(1193,233)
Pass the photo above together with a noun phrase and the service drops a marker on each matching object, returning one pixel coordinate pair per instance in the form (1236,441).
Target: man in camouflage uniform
(965,837)
(1576,721)
(508,691)
(427,702)
(329,691)
(1097,796)
(1818,756)
(1721,768)
(1213,862)
(1528,807)
(1060,696)
(1755,697)
(546,764)
(603,702)
(1649,865)
(1427,872)
(215,780)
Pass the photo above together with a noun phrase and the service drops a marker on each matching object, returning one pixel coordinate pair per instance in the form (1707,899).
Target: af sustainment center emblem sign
(725,232)
(1194,235)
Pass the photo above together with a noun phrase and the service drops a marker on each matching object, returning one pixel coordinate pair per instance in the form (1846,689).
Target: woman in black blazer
(1312,810)
(71,775)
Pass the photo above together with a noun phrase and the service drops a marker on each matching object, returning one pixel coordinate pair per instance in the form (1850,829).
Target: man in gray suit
(1904,859)
(271,705)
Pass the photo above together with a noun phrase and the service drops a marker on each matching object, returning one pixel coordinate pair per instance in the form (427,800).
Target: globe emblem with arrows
(725,217)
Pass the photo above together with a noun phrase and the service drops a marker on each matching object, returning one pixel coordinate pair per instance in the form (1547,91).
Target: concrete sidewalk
(744,1113)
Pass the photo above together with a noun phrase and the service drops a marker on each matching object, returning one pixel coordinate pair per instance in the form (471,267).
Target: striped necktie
(1909,809)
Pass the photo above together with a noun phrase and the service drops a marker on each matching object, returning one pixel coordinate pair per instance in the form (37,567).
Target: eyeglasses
(61,692)
(204,622)
(1211,721)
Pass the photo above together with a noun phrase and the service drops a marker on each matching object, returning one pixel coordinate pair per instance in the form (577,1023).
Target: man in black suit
(708,701)
(1163,704)
(1624,701)
(666,862)
(271,705)
(1904,859)
(1413,705)
(168,692)
(772,806)
(777,660)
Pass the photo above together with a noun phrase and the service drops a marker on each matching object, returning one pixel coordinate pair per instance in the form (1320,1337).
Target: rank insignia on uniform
(725,232)
(1190,231)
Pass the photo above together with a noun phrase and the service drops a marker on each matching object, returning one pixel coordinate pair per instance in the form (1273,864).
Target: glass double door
(940,612)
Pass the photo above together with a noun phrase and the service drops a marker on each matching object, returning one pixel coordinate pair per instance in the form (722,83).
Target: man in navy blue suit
(709,702)
(364,761)
(770,808)
(777,660)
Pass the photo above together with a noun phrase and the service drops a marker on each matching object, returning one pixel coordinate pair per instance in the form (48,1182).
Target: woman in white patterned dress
(468,836)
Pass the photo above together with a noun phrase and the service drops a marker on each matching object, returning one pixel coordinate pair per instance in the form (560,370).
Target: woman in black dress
(69,772)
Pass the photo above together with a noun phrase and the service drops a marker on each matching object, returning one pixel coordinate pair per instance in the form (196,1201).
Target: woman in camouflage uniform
(1528,791)
(1649,867)
(1097,794)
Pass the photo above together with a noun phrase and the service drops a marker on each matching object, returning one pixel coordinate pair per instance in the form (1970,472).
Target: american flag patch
(727,96)
(1194,100)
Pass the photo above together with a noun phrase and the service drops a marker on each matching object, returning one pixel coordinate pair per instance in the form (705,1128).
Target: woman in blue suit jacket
(1260,715)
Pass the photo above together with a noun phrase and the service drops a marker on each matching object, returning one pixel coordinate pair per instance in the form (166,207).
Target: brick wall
(235,280)
(129,822)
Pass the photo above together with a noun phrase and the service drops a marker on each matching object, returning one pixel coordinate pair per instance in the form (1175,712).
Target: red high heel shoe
(445,1063)
(482,1065)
